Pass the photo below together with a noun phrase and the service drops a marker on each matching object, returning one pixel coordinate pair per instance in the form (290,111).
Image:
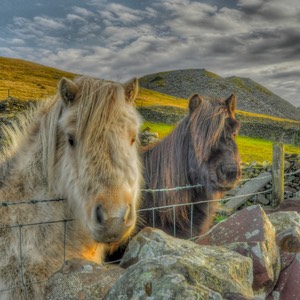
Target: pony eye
(71,140)
(132,141)
(234,134)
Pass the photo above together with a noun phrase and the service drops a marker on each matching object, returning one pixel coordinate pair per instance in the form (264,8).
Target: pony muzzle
(228,175)
(113,225)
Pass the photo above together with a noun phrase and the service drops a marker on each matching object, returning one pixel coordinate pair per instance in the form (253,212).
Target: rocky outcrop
(240,258)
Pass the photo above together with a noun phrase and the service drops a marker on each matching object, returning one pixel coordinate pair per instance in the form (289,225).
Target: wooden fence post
(278,174)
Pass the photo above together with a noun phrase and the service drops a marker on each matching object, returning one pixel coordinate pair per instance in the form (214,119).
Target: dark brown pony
(200,151)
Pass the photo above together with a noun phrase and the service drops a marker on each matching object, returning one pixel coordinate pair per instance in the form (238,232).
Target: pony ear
(195,102)
(67,90)
(231,104)
(131,89)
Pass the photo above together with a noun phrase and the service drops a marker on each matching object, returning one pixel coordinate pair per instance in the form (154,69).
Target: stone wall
(253,127)
(271,131)
(165,114)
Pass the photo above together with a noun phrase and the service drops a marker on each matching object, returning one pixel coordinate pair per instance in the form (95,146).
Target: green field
(250,149)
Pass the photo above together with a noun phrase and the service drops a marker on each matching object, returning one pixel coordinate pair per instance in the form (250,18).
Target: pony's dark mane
(199,130)
(206,125)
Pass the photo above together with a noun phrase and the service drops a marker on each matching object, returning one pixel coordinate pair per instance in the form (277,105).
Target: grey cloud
(119,39)
(49,23)
(271,10)
(75,18)
(82,11)
(16,42)
(287,74)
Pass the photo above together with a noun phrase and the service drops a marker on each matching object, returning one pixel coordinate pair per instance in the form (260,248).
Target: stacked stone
(291,182)
(146,137)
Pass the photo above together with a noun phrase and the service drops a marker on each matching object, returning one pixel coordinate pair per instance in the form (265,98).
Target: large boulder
(287,226)
(79,279)
(163,267)
(250,233)
(284,220)
(288,284)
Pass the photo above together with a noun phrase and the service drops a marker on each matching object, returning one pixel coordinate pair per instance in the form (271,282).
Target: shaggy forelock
(100,103)
(206,125)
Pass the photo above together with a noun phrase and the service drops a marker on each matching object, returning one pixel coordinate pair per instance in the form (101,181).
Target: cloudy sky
(119,39)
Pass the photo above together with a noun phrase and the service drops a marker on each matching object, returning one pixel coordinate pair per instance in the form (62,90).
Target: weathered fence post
(278,174)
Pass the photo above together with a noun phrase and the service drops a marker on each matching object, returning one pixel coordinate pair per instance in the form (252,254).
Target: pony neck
(168,159)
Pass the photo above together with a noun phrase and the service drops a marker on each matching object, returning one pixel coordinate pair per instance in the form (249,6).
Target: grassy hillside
(26,80)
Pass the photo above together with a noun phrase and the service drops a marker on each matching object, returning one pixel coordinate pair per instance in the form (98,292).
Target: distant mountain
(252,97)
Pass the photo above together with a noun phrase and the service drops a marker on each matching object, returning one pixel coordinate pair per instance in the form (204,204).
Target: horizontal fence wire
(10,203)
(205,201)
(34,224)
(25,285)
(178,188)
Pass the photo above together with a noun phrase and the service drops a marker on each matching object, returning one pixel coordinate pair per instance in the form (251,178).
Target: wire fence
(20,227)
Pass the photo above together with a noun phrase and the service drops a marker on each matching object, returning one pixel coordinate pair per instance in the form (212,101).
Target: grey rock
(159,255)
(79,279)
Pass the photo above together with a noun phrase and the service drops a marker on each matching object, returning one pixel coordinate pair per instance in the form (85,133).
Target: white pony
(78,146)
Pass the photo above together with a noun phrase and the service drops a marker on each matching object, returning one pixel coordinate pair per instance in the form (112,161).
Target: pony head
(97,165)
(213,130)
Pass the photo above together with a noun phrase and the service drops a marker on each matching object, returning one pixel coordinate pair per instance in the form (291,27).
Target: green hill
(252,97)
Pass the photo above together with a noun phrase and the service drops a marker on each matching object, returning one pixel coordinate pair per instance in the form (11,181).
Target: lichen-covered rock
(79,279)
(163,277)
(289,240)
(175,267)
(288,284)
(287,226)
(250,233)
(283,220)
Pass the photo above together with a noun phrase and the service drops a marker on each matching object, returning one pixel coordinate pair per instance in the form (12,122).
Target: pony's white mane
(100,102)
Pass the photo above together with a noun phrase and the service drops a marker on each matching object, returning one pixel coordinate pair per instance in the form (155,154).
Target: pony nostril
(221,172)
(232,175)
(99,214)
(223,169)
